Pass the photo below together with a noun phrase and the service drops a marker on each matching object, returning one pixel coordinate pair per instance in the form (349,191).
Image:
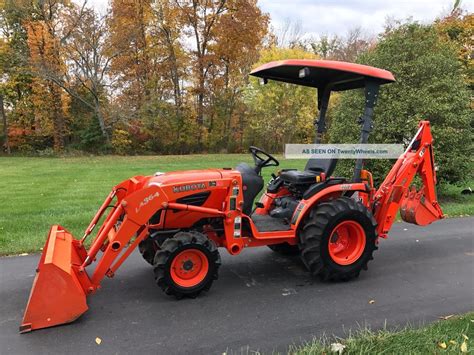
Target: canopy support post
(320,122)
(371,94)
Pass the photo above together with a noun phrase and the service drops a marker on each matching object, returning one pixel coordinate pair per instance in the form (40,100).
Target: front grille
(195,199)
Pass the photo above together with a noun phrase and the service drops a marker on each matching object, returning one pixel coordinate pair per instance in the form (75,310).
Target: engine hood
(187,176)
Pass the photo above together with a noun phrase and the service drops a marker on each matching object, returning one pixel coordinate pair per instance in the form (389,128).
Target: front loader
(179,220)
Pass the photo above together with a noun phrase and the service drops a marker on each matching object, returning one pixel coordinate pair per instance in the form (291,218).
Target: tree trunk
(200,103)
(5,126)
(58,118)
(241,126)
(176,87)
(101,120)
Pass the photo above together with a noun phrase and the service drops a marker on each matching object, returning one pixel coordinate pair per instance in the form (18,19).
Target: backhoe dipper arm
(418,207)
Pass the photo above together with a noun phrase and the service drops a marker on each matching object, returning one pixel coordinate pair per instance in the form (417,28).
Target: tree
(326,46)
(166,28)
(181,69)
(128,25)
(346,48)
(201,18)
(5,125)
(151,68)
(429,86)
(458,27)
(46,96)
(15,76)
(289,35)
(46,35)
(280,113)
(89,55)
(212,28)
(237,47)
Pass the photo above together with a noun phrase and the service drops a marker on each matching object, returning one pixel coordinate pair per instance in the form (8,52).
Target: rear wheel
(186,264)
(337,239)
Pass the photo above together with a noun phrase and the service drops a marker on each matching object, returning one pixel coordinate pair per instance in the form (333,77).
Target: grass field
(452,336)
(38,192)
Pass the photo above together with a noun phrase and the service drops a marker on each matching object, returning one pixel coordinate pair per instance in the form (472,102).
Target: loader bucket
(415,209)
(57,295)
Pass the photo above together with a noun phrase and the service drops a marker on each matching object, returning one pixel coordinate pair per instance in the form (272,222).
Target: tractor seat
(299,177)
(313,168)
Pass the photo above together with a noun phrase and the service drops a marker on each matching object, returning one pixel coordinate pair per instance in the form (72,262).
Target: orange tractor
(178,220)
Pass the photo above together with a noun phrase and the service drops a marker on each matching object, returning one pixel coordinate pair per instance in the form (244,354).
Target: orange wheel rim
(189,268)
(347,243)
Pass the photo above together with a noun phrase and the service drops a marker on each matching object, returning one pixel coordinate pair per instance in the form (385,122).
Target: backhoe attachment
(417,206)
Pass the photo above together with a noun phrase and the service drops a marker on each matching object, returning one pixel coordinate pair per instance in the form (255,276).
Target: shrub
(121,142)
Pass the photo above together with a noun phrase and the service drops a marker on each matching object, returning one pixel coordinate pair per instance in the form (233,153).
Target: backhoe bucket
(415,209)
(57,295)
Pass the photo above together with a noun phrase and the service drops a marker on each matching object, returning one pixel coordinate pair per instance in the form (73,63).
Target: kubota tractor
(179,220)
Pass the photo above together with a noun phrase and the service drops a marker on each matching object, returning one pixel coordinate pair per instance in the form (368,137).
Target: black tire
(149,246)
(148,249)
(316,230)
(174,246)
(285,249)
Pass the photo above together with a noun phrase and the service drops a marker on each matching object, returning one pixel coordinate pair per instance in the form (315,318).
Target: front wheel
(337,239)
(186,264)
(148,249)
(150,246)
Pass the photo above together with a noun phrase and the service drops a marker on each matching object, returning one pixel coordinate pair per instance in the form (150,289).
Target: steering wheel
(262,159)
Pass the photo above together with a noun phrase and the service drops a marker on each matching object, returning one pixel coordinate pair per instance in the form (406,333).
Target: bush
(429,86)
(91,138)
(121,142)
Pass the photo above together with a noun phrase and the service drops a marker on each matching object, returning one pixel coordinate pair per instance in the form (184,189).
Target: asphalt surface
(261,301)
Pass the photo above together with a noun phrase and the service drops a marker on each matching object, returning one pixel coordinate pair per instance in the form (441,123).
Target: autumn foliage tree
(89,55)
(280,113)
(47,98)
(182,68)
(458,27)
(46,34)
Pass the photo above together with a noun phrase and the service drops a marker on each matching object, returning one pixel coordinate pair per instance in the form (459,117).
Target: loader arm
(416,206)
(62,281)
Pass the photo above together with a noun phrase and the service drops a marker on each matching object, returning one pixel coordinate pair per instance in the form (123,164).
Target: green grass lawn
(38,192)
(452,336)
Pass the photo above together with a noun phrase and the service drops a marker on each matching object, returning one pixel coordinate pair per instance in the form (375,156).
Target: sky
(327,17)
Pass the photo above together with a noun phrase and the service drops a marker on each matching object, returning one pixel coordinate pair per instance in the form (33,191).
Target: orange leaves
(49,101)
(194,56)
(43,45)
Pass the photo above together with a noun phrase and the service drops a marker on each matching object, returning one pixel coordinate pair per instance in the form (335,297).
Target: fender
(305,206)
